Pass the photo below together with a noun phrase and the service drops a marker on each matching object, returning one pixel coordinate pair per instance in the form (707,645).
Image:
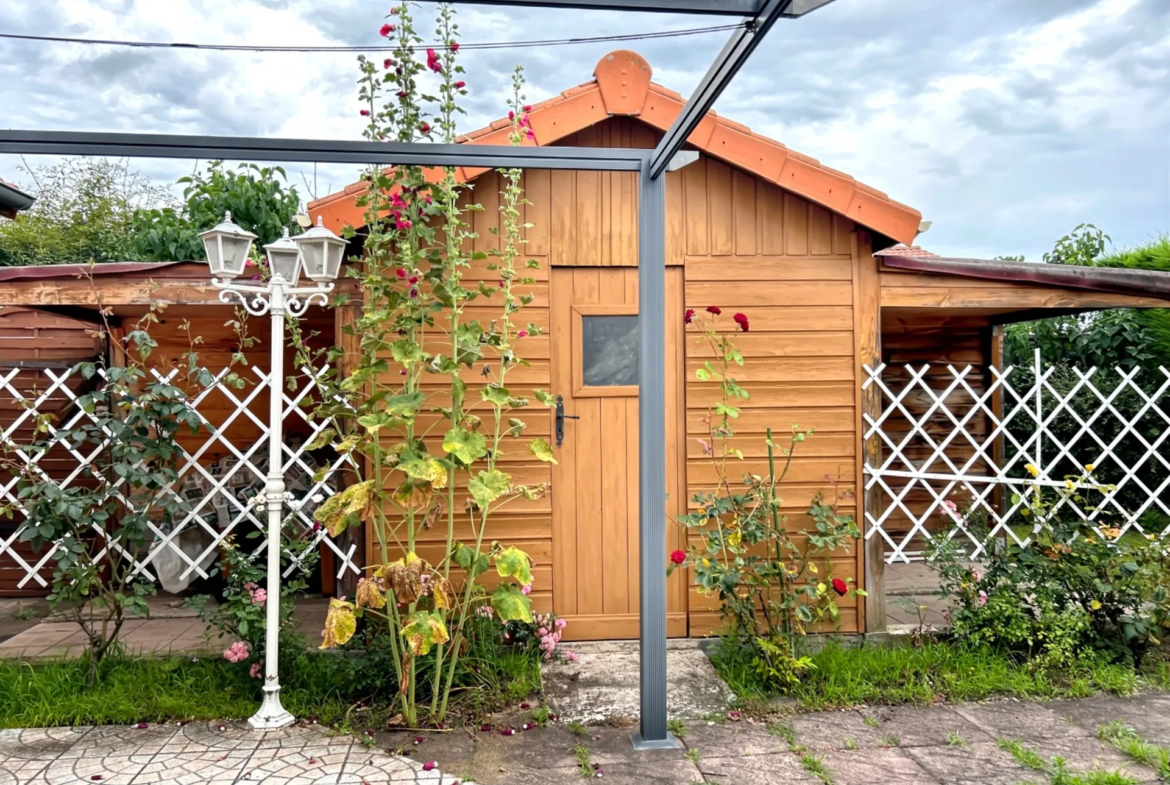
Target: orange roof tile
(913,251)
(622,86)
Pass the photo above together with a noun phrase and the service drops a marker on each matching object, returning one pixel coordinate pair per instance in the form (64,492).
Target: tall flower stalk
(407,391)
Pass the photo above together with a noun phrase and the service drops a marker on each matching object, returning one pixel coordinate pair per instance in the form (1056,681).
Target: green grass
(815,765)
(336,689)
(926,674)
(1056,768)
(584,761)
(677,727)
(1129,742)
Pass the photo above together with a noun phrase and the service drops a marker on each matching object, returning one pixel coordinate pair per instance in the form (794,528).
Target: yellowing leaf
(514,563)
(511,604)
(404,577)
(466,446)
(422,630)
(369,595)
(413,495)
(486,487)
(334,514)
(340,624)
(442,592)
(542,450)
(427,469)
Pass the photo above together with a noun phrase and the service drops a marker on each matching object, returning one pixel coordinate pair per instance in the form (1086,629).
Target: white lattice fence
(223,468)
(956,444)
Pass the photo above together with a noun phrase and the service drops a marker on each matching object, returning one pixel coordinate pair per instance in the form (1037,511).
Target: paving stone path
(213,753)
(936,745)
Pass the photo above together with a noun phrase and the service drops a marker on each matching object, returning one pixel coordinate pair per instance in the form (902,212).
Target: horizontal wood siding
(787,264)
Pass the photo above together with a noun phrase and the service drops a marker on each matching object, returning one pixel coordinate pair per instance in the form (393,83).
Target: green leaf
(514,563)
(424,629)
(511,604)
(466,446)
(545,397)
(486,487)
(495,395)
(542,450)
(701,374)
(406,351)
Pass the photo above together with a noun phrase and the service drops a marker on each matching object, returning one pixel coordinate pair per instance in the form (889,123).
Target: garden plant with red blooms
(417,277)
(771,587)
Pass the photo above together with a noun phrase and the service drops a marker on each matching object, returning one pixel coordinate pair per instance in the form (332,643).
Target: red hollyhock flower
(528,107)
(689,316)
(425,128)
(454,47)
(715,309)
(840,587)
(365,113)
(460,85)
(387,63)
(742,321)
(433,61)
(678,557)
(386,30)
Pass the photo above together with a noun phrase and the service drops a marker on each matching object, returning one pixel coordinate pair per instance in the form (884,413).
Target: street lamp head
(322,252)
(284,259)
(227,247)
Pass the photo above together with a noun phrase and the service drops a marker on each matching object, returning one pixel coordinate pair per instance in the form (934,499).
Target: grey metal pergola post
(651,165)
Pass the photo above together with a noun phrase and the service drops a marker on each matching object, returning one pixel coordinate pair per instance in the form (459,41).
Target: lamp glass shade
(284,259)
(322,252)
(227,246)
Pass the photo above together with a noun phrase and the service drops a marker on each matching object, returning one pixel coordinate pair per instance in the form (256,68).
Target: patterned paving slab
(217,753)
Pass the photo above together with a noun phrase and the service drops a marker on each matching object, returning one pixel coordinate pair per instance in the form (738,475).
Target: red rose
(742,321)
(715,309)
(689,316)
(678,557)
(386,30)
(840,587)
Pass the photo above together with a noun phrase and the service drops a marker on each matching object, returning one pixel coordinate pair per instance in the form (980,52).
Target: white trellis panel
(217,493)
(938,437)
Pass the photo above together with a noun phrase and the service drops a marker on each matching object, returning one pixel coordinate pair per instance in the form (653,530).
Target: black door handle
(561,417)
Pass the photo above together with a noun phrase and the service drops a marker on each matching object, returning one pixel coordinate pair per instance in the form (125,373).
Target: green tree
(83,214)
(256,197)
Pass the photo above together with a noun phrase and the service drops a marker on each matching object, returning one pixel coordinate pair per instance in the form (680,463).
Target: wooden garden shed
(752,226)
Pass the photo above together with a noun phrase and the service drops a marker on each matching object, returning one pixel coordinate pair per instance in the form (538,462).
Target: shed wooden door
(593,328)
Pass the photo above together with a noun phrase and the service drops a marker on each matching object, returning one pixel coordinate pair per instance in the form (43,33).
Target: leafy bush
(1078,589)
(771,586)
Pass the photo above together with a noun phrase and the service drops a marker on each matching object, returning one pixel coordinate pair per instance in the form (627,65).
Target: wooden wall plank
(795,225)
(719,207)
(744,213)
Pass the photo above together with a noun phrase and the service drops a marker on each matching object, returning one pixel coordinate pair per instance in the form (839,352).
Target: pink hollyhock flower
(522,334)
(454,46)
(460,85)
(433,61)
(385,30)
(364,113)
(528,108)
(237,652)
(387,63)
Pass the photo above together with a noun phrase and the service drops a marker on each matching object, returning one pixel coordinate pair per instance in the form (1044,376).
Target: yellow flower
(1088,467)
(1095,605)
(1069,484)
(1150,537)
(1032,470)
(706,562)
(1110,532)
(733,539)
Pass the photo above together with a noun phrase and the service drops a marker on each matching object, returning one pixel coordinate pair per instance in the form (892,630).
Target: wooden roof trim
(622,86)
(1146,285)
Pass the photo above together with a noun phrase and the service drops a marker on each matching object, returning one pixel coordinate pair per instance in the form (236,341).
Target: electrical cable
(487,45)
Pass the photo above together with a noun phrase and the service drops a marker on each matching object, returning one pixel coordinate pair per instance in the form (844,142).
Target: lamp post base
(272,716)
(671,742)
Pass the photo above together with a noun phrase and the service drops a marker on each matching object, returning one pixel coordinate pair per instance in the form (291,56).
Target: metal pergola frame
(759,16)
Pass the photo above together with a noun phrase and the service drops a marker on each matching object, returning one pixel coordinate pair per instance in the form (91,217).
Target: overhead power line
(357,49)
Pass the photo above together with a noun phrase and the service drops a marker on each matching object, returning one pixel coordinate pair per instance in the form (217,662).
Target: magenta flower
(460,85)
(433,61)
(386,30)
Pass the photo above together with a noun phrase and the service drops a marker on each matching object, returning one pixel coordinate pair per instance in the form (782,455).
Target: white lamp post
(320,252)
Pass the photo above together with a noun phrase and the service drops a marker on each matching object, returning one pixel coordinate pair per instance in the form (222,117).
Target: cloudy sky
(1006,122)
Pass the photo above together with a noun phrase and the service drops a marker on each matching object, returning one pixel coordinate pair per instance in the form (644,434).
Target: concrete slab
(867,767)
(602,685)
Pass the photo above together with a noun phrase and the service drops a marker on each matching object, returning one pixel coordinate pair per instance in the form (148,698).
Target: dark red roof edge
(45,271)
(1138,283)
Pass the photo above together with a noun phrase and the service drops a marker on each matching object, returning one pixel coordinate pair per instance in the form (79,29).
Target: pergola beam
(614,159)
(707,7)
(735,53)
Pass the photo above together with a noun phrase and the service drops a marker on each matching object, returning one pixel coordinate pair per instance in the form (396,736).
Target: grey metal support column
(652,733)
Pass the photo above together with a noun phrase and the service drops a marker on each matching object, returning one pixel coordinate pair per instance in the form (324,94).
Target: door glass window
(609,350)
